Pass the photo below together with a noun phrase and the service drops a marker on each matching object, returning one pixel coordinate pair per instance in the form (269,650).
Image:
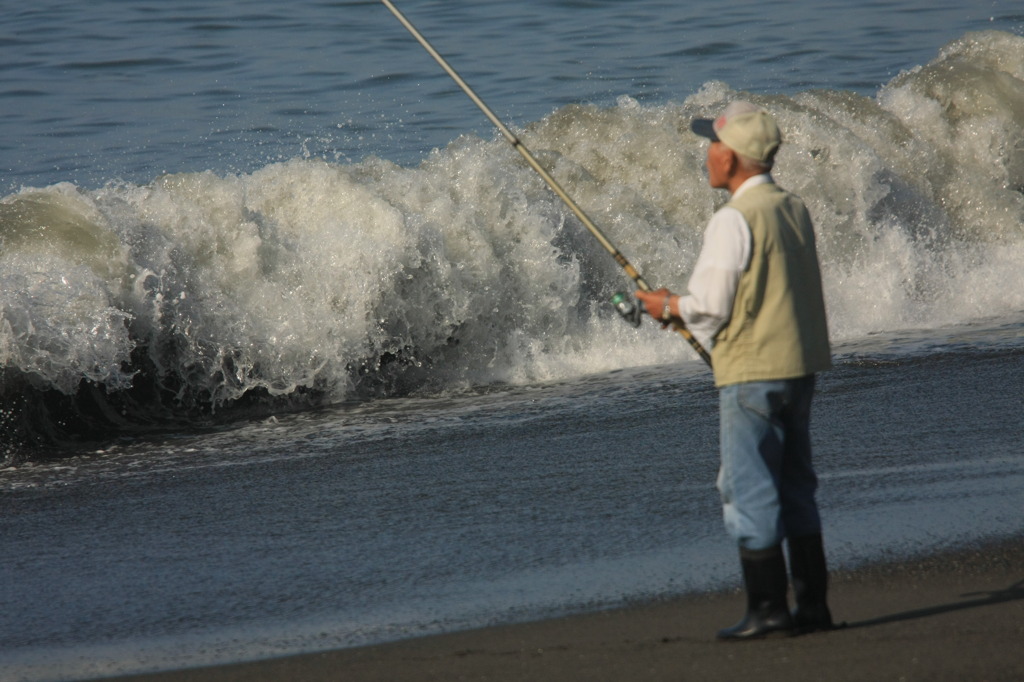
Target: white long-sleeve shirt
(724,256)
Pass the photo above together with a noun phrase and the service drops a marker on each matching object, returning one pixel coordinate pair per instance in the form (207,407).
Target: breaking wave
(200,297)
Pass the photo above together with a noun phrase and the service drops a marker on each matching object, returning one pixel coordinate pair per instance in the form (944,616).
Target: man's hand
(657,304)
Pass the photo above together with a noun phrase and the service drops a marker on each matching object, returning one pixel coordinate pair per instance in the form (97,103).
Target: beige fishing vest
(778,328)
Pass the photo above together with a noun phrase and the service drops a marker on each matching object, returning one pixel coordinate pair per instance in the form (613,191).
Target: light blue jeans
(766,478)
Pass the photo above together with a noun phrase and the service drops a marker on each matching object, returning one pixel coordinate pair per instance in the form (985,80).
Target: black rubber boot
(810,584)
(764,575)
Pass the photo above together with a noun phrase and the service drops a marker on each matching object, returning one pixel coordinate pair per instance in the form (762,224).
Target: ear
(731,161)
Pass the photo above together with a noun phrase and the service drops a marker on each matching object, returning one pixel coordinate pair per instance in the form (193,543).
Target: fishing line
(620,301)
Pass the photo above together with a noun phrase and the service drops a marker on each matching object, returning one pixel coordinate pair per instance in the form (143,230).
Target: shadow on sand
(974,600)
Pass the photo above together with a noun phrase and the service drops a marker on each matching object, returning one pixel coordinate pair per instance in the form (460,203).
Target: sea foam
(331,281)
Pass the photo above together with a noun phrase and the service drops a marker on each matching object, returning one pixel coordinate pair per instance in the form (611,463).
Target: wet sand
(953,616)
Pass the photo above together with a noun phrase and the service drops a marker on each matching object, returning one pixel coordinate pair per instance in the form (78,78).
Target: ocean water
(297,353)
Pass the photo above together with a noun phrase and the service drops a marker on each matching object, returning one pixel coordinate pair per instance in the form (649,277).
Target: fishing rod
(625,306)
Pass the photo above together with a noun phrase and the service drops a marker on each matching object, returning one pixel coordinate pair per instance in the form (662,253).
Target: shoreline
(954,615)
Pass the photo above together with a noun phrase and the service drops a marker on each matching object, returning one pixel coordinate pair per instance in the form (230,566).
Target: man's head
(744,140)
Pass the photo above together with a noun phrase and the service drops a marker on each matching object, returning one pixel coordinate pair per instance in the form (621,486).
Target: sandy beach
(952,616)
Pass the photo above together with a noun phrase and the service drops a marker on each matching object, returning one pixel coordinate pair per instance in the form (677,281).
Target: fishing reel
(628,308)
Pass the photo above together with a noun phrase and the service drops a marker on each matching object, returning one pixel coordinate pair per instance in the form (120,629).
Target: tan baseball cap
(744,128)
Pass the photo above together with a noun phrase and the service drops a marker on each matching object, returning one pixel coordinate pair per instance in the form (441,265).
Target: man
(756,293)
